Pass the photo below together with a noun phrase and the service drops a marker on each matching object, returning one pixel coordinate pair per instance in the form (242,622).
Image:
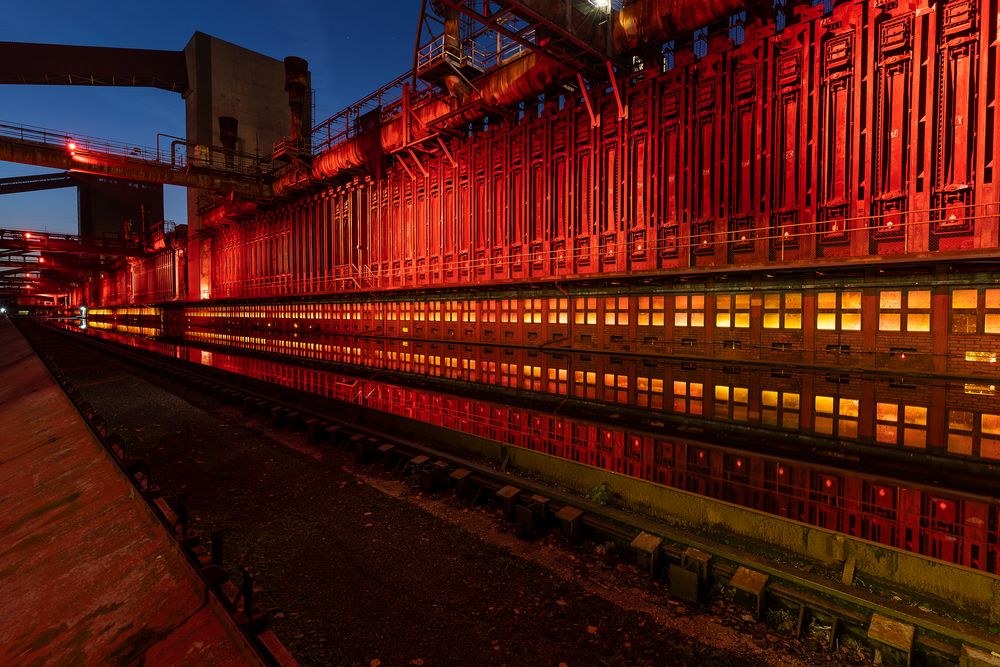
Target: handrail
(184,155)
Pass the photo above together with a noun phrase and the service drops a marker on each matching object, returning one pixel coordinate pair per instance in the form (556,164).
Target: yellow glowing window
(850,317)
(688,397)
(731,402)
(689,311)
(889,321)
(508,310)
(964,299)
(904,310)
(585,384)
(887,416)
(991,318)
(779,408)
(783,310)
(989,445)
(836,415)
(849,407)
(887,412)
(723,318)
(650,311)
(469,310)
(616,311)
(585,311)
(532,311)
(557,380)
(732,311)
(558,311)
(890,300)
(769,399)
(649,392)
(488,311)
(848,312)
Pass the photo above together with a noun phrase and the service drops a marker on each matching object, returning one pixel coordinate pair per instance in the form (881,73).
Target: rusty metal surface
(89,576)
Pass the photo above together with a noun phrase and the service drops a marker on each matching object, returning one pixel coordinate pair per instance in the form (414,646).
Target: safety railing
(181,155)
(346,123)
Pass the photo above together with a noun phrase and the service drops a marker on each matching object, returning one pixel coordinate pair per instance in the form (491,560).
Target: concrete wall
(229,80)
(977,592)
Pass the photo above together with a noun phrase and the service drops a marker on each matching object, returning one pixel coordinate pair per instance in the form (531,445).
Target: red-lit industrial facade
(864,132)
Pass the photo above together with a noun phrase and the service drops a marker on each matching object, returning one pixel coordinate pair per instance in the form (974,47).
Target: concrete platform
(87,573)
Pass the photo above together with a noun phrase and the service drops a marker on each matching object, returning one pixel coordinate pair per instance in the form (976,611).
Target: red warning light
(781,472)
(701,455)
(27,235)
(828,483)
(71,146)
(41,260)
(739,463)
(881,493)
(943,505)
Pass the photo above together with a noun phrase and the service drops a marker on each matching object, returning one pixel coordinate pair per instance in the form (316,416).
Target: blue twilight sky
(352,48)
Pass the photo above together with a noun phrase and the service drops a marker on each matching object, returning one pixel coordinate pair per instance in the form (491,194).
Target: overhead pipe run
(639,23)
(657,21)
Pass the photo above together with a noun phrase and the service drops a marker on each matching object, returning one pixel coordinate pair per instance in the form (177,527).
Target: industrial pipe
(641,22)
(656,21)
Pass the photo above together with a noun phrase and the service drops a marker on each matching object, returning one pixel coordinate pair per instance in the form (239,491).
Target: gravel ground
(358,568)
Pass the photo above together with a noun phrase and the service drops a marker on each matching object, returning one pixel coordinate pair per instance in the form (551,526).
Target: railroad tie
(647,551)
(433,476)
(750,590)
(571,523)
(893,639)
(973,657)
(690,578)
(508,498)
(461,482)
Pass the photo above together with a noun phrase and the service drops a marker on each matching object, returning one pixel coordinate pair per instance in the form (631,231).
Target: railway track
(694,562)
